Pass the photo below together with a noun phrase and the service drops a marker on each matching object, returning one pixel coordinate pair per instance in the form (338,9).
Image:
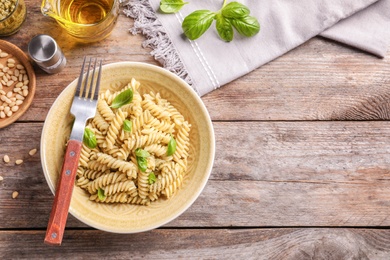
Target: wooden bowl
(16,53)
(126,218)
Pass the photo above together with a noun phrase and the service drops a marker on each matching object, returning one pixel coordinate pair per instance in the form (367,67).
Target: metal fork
(83,107)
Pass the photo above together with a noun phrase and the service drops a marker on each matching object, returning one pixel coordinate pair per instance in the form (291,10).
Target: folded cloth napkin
(208,62)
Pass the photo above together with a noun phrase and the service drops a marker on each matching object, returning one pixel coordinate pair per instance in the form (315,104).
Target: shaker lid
(44,50)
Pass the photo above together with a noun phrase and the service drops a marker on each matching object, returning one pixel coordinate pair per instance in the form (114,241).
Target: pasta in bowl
(147,160)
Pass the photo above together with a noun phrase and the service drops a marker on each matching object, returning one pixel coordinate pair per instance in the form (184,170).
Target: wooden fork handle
(59,211)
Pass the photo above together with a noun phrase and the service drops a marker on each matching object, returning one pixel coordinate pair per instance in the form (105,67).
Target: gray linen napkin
(209,62)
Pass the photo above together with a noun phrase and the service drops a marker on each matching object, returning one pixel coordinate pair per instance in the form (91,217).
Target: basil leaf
(127,126)
(247,26)
(141,153)
(89,138)
(235,10)
(196,23)
(142,163)
(224,28)
(101,195)
(122,98)
(171,146)
(152,178)
(171,6)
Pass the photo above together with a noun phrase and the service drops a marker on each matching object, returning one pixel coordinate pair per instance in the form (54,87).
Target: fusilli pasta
(114,172)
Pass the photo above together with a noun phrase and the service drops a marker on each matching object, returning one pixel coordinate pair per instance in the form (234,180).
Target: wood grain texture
(294,149)
(265,174)
(329,81)
(290,244)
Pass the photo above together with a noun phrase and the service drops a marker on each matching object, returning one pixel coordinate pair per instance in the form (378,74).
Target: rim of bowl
(194,196)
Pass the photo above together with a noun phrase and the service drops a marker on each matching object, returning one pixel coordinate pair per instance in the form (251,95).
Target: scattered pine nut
(19,161)
(6,158)
(15,194)
(1,178)
(32,152)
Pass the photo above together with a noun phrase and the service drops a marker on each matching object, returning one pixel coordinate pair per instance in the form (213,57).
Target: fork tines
(92,89)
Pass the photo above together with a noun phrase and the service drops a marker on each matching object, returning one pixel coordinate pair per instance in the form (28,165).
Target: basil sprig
(232,15)
(127,125)
(171,146)
(122,98)
(101,194)
(141,156)
(89,138)
(151,178)
(171,6)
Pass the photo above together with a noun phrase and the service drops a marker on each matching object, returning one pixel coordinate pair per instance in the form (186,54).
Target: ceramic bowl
(125,218)
(16,53)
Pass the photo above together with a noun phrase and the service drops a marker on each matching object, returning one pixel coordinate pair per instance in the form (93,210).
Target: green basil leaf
(171,146)
(89,138)
(152,178)
(101,195)
(171,6)
(196,23)
(141,153)
(247,26)
(122,98)
(127,126)
(235,10)
(142,163)
(224,28)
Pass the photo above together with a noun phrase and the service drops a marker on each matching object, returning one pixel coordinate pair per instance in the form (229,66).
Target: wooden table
(302,167)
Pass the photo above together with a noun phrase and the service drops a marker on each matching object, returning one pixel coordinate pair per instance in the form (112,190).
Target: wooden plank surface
(256,244)
(265,174)
(329,81)
(302,159)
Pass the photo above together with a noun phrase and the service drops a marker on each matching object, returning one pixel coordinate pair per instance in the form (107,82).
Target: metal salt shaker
(46,53)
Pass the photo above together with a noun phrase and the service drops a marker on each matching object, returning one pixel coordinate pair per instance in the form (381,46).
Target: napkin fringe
(163,50)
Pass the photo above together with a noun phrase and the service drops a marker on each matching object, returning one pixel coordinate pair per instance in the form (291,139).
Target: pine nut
(32,152)
(15,194)
(6,158)
(14,108)
(2,114)
(20,67)
(19,161)
(9,83)
(9,114)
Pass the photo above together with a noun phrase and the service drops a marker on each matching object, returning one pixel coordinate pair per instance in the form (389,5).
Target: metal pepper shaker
(46,53)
